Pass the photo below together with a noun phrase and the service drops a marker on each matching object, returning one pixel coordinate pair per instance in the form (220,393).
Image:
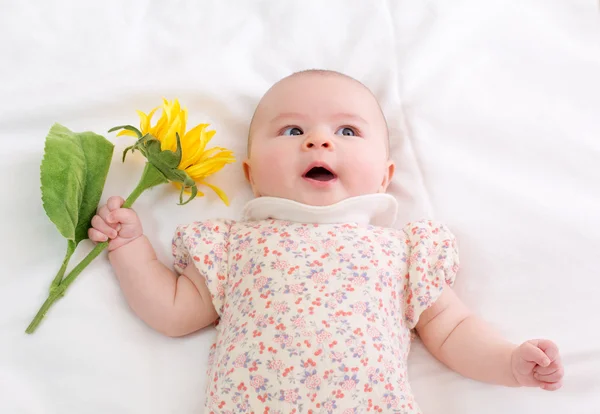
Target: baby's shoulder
(412,229)
(425,227)
(205,227)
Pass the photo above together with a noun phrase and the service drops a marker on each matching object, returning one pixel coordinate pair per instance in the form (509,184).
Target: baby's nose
(317,141)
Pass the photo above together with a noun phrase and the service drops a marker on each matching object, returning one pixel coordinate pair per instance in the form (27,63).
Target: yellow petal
(197,130)
(183,119)
(170,140)
(145,120)
(173,110)
(157,130)
(205,136)
(215,152)
(217,190)
(127,132)
(211,166)
(193,144)
(167,106)
(190,143)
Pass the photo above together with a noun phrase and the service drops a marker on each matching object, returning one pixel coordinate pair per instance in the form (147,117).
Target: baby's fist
(536,363)
(114,224)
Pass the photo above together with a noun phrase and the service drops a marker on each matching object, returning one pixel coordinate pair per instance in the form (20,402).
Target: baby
(315,293)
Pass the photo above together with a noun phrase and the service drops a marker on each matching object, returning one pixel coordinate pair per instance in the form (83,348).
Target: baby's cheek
(272,168)
(364,175)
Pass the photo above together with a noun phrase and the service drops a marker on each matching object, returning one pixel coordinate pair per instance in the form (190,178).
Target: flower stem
(61,272)
(150,177)
(59,291)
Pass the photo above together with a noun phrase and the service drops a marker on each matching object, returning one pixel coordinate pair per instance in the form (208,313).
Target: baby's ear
(248,175)
(390,168)
(247,172)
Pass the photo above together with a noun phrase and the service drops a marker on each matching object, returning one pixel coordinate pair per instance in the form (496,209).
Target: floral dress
(315,318)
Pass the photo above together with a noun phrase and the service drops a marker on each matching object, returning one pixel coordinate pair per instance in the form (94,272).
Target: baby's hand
(119,225)
(536,363)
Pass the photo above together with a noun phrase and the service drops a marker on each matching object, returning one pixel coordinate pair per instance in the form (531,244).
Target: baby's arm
(174,306)
(470,347)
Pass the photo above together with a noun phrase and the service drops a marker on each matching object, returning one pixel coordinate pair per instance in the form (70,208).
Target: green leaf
(160,159)
(73,173)
(192,196)
(178,150)
(127,127)
(130,148)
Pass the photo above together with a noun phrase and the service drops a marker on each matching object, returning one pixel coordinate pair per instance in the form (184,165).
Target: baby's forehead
(315,92)
(315,86)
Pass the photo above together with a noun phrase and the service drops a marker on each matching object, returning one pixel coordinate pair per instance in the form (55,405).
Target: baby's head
(318,137)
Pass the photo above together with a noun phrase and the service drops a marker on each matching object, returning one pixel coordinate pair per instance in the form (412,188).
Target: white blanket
(494,109)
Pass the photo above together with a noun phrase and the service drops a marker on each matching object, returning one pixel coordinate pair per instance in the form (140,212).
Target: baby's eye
(292,131)
(349,132)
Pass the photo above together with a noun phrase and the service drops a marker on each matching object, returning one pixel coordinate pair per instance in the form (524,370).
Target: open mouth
(319,174)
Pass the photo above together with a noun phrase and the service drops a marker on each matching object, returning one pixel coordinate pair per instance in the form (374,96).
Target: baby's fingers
(114,203)
(553,373)
(123,216)
(130,226)
(103,212)
(130,231)
(549,348)
(96,236)
(531,353)
(102,227)
(551,386)
(554,377)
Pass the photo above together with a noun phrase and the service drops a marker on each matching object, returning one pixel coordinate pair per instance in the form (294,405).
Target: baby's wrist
(512,364)
(119,243)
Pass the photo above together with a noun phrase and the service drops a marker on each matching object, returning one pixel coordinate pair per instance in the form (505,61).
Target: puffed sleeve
(432,262)
(206,244)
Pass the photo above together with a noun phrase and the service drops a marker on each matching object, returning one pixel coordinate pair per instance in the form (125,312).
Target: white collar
(375,209)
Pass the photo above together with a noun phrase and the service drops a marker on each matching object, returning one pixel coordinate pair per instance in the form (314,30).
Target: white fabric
(494,111)
(376,209)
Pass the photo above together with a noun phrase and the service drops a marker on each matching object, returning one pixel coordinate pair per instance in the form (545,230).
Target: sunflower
(196,160)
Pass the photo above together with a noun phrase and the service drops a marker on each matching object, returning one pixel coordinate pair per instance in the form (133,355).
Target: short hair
(322,72)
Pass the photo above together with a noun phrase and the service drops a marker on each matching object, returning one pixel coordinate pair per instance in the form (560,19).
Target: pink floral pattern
(315,318)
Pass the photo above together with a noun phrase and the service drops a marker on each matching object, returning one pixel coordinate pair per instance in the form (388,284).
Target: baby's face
(318,139)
